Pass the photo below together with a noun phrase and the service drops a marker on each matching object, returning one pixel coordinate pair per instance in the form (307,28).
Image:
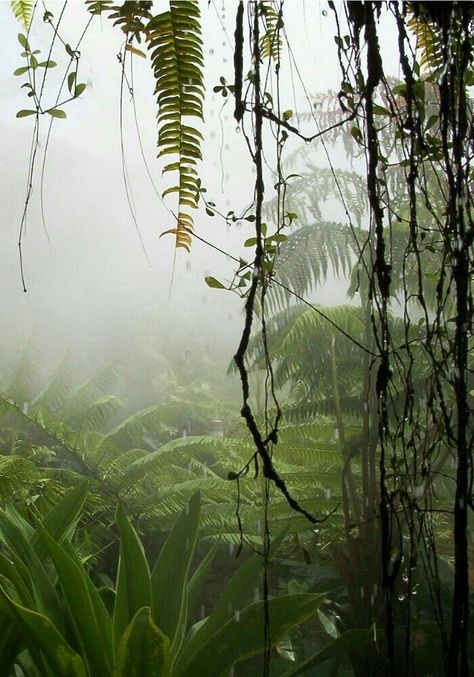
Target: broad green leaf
(242,636)
(100,603)
(61,520)
(25,113)
(79,89)
(40,631)
(381,110)
(56,113)
(20,71)
(14,536)
(71,78)
(213,283)
(89,633)
(234,596)
(170,574)
(133,590)
(23,41)
(18,575)
(197,579)
(144,651)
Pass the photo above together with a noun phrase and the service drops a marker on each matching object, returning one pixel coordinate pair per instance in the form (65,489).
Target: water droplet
(237,616)
(324,12)
(401,597)
(237,129)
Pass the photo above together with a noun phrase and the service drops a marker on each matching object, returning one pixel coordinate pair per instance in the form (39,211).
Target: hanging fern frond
(271,42)
(23,10)
(177,61)
(429,42)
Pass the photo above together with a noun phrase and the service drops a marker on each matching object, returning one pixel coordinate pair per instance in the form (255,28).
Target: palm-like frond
(177,60)
(23,10)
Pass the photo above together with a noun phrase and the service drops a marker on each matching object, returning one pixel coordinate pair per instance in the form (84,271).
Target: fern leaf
(177,61)
(23,10)
(271,42)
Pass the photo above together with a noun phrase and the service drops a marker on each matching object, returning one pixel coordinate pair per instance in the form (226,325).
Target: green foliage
(271,42)
(23,10)
(176,53)
(82,637)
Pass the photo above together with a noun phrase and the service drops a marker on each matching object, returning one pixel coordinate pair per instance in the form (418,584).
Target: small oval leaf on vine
(213,283)
(356,134)
(287,114)
(209,212)
(20,71)
(70,80)
(47,64)
(380,110)
(25,113)
(56,113)
(251,242)
(23,41)
(79,89)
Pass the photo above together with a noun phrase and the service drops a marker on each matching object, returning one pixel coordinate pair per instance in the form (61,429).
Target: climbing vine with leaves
(418,131)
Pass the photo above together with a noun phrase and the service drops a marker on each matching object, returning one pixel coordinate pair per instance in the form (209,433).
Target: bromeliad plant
(56,621)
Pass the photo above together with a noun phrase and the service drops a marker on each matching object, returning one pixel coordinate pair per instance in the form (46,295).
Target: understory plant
(57,620)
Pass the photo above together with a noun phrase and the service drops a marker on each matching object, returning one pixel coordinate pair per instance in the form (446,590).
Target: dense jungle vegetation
(301,503)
